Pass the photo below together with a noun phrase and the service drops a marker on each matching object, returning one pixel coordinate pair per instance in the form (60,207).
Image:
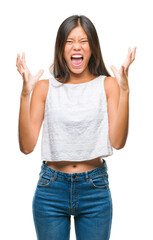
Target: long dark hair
(96,65)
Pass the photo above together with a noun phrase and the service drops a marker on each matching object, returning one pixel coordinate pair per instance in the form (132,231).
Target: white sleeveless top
(75,126)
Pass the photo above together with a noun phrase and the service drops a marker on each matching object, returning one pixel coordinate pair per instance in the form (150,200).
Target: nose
(76,46)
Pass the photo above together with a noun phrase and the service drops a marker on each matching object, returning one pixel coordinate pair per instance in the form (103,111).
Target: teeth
(76,56)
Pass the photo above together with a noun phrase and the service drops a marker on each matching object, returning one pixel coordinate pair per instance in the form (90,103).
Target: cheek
(87,51)
(67,53)
(67,49)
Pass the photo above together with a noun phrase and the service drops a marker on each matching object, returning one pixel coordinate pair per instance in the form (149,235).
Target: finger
(23,59)
(20,70)
(114,70)
(122,70)
(128,59)
(129,53)
(133,53)
(21,63)
(39,74)
(17,59)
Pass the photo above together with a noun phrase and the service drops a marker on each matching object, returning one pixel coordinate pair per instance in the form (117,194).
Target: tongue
(76,61)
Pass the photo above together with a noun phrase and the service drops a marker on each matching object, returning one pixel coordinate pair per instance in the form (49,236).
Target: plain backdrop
(31,26)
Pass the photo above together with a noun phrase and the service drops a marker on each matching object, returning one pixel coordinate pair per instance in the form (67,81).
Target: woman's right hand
(29,81)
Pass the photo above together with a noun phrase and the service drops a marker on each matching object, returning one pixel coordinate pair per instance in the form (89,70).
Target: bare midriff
(75,166)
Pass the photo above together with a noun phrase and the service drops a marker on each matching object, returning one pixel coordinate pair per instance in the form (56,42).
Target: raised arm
(30,114)
(117,90)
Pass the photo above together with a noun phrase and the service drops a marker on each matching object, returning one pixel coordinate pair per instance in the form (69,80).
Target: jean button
(74,176)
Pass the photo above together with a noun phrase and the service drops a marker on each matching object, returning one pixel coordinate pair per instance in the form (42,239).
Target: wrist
(124,94)
(124,91)
(25,95)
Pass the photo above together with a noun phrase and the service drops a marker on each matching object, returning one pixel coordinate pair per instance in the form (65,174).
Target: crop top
(75,126)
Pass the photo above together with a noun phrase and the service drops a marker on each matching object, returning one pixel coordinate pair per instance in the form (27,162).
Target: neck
(81,77)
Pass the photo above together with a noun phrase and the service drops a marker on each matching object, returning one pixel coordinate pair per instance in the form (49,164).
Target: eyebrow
(81,38)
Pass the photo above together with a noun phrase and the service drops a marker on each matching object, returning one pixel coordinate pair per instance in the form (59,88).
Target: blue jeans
(85,195)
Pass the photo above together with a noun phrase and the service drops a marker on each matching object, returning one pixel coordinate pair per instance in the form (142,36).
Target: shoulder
(111,86)
(41,88)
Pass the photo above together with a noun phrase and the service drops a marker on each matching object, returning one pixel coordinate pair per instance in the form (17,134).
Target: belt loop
(87,177)
(55,175)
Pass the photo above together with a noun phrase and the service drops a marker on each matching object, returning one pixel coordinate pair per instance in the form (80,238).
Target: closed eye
(71,41)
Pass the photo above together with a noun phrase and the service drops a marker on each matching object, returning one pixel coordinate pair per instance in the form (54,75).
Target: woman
(85,113)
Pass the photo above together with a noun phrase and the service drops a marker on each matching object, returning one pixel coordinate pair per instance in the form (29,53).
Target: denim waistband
(78,176)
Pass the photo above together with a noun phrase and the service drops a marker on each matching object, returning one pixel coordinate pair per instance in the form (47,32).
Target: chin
(77,71)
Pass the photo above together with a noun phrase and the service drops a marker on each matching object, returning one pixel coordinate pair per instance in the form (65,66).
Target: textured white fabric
(75,126)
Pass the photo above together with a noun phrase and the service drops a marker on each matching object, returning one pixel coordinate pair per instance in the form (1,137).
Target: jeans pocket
(45,179)
(100,180)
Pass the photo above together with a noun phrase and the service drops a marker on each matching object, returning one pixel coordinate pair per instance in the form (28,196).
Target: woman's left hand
(121,75)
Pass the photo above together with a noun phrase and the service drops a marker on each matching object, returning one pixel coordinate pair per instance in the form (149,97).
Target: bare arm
(26,136)
(118,102)
(118,113)
(120,128)
(31,117)
(31,114)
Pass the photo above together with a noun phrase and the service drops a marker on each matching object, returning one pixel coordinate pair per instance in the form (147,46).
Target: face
(77,51)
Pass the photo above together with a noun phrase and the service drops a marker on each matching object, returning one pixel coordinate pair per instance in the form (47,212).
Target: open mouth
(76,60)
